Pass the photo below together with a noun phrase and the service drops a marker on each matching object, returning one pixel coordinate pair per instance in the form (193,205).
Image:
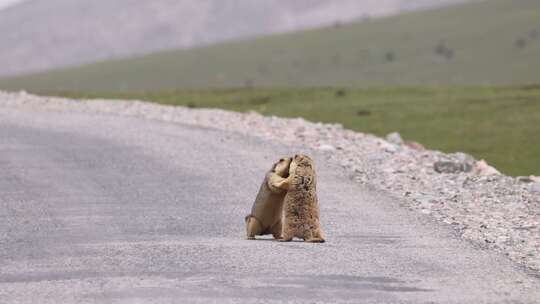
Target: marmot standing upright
(300,207)
(266,213)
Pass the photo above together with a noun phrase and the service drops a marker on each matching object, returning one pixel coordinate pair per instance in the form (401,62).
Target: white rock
(482,168)
(325,147)
(535,178)
(391,148)
(394,138)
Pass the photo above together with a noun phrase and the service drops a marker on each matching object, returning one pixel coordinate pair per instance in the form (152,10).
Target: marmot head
(281,167)
(301,161)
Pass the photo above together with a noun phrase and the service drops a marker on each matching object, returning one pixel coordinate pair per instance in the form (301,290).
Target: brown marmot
(266,213)
(301,208)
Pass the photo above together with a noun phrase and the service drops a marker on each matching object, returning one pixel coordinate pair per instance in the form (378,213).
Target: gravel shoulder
(401,255)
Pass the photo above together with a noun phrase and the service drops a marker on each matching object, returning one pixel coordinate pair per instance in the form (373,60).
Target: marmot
(301,208)
(266,213)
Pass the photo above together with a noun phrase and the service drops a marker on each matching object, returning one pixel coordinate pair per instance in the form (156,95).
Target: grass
(495,42)
(499,124)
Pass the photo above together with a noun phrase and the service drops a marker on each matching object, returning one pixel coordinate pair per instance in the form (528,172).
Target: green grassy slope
(490,42)
(497,124)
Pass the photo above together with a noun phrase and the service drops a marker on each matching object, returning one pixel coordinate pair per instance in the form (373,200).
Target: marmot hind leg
(314,237)
(276,230)
(286,234)
(253,227)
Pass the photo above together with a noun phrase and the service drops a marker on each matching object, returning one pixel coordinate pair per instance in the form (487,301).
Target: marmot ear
(273,168)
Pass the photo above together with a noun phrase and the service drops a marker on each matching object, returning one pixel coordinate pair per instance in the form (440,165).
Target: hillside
(490,42)
(59,33)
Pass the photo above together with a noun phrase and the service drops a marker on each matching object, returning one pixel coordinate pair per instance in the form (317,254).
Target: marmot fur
(266,213)
(300,207)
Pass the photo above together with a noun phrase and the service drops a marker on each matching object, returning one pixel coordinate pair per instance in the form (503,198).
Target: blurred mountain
(43,34)
(6,3)
(494,42)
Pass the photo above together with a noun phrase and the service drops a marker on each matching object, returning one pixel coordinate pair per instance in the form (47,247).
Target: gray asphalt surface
(105,209)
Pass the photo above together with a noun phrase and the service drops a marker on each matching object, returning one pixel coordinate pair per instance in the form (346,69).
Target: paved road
(104,209)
